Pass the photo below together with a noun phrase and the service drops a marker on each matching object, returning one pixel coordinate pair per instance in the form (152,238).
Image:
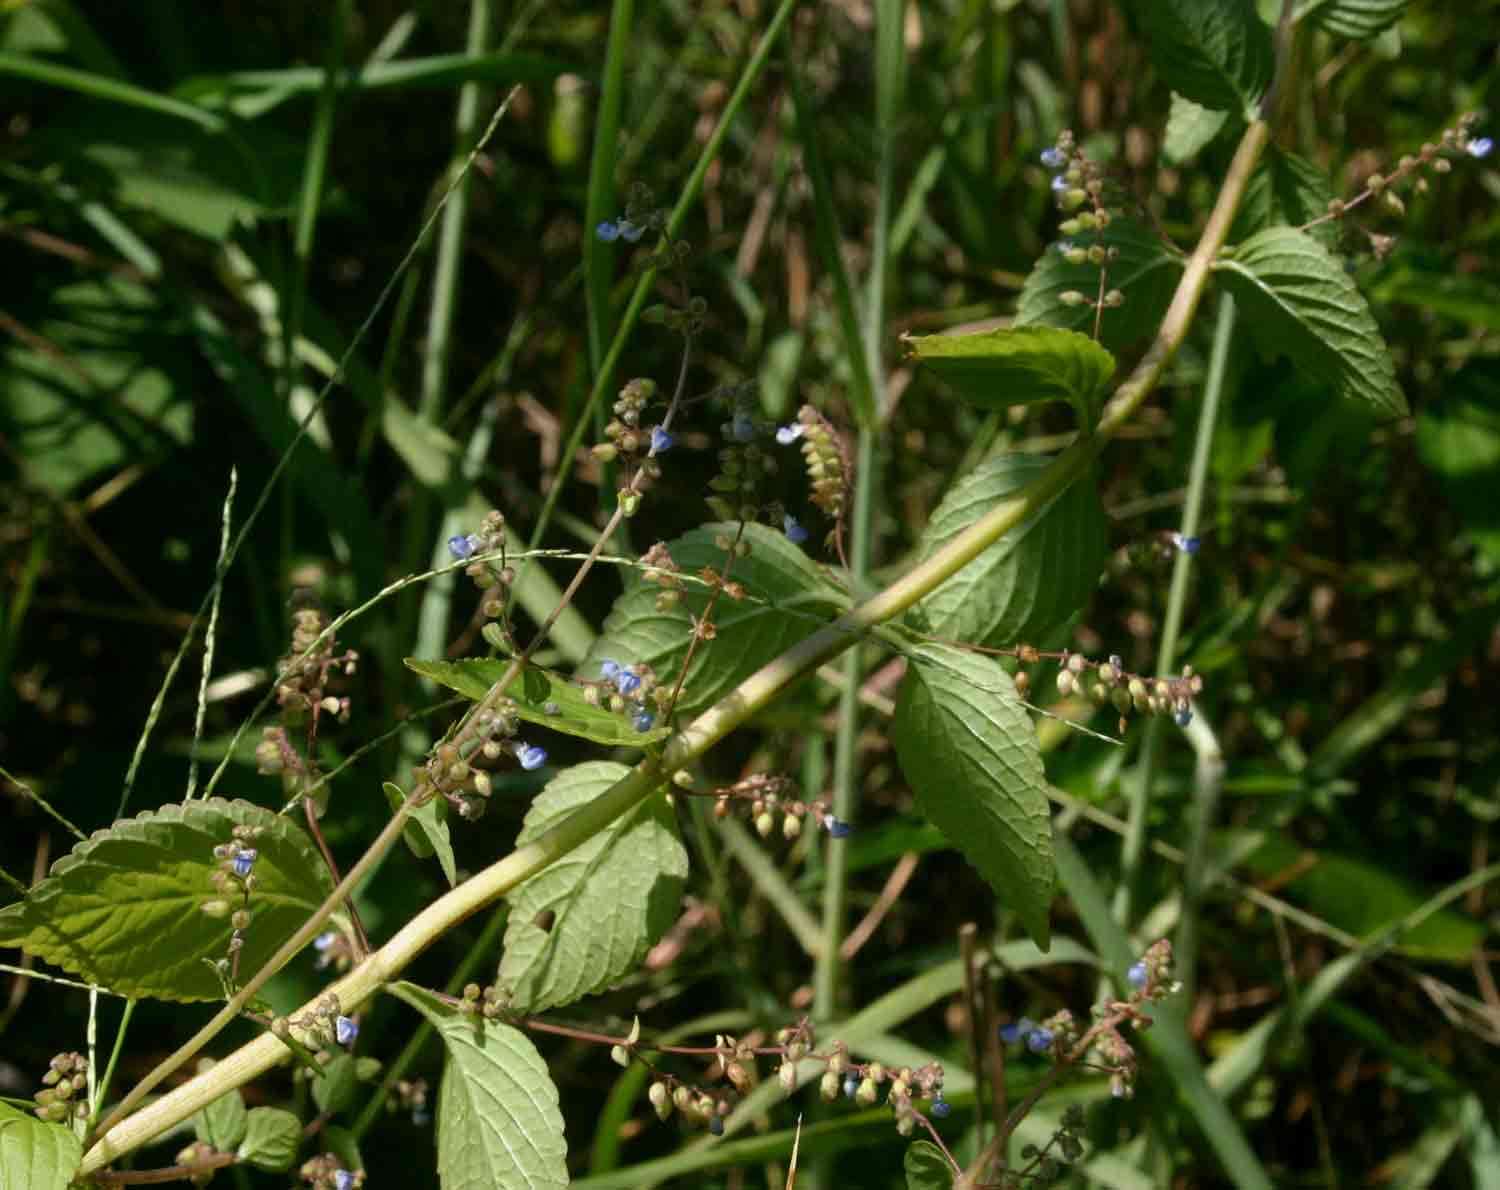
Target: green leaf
(337,1089)
(969,750)
(1020,366)
(427,831)
(1300,303)
(1285,189)
(1032,579)
(587,920)
(531,694)
(35,1154)
(1458,438)
(1461,297)
(122,909)
(786,599)
(927,1168)
(498,1122)
(271,1139)
(223,1122)
(1145,271)
(1214,52)
(1359,19)
(1190,127)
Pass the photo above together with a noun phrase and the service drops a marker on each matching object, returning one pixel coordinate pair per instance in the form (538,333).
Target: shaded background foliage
(1344,612)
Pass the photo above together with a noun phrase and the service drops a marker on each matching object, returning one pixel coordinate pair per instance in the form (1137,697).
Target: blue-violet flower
(786,435)
(244,861)
(661,440)
(344,1030)
(1479,147)
(795,533)
(1054,158)
(1137,975)
(531,756)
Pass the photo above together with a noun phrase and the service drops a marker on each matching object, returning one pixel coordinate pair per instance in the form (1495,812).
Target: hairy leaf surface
(1214,52)
(970,753)
(1300,303)
(34,1153)
(498,1122)
(1190,128)
(587,920)
(786,599)
(1034,577)
(271,1139)
(122,909)
(1145,271)
(223,1122)
(1020,366)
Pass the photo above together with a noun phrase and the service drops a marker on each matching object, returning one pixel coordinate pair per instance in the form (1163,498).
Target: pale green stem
(1134,850)
(738,707)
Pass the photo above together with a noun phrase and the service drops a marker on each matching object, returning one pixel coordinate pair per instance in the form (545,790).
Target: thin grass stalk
(601,202)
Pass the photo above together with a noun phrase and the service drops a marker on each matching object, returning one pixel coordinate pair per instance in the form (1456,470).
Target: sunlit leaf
(271,1139)
(1214,52)
(927,1168)
(35,1154)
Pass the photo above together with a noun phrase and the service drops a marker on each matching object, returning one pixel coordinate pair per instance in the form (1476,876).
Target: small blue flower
(1017,1030)
(344,1030)
(324,940)
(608,669)
(461,546)
(627,682)
(716,1126)
(343,1180)
(421,1117)
(1054,158)
(531,756)
(244,861)
(661,441)
(608,231)
(1059,183)
(1137,975)
(1039,1040)
(940,1107)
(1479,147)
(1188,545)
(631,232)
(795,533)
(643,720)
(1064,247)
(742,427)
(1184,716)
(837,828)
(786,435)
(851,1085)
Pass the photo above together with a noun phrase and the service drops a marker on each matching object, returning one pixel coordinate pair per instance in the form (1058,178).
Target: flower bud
(620,1055)
(787,1076)
(765,823)
(866,1095)
(661,1100)
(829,1086)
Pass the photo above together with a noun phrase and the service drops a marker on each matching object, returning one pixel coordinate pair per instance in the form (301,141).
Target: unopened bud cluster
(659,568)
(323,1025)
(492,578)
(632,691)
(197,1153)
(234,880)
(864,1083)
(410,1095)
(826,461)
(63,1096)
(1109,682)
(327,1172)
(1078,191)
(736,492)
(460,772)
(491,1002)
(764,797)
(634,444)
(302,681)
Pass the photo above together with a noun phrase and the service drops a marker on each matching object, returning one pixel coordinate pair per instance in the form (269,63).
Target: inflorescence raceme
(1078,184)
(1111,683)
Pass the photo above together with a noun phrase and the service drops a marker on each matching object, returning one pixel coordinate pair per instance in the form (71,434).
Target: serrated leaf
(1032,579)
(34,1153)
(531,694)
(1020,366)
(1300,303)
(588,919)
(337,1089)
(1214,52)
(1458,438)
(927,1168)
(122,908)
(1145,271)
(427,831)
(1190,127)
(1358,19)
(498,1122)
(786,599)
(970,753)
(271,1139)
(223,1122)
(1285,189)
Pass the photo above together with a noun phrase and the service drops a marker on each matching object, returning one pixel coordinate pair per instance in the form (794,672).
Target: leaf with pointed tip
(1300,303)
(1019,366)
(576,716)
(1031,580)
(122,909)
(1215,52)
(970,753)
(498,1122)
(36,1154)
(1190,128)
(786,599)
(427,831)
(586,921)
(223,1122)
(271,1139)
(927,1168)
(1144,270)
(1357,19)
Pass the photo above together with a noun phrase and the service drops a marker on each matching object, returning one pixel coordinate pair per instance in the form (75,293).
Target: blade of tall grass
(111,90)
(211,633)
(601,202)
